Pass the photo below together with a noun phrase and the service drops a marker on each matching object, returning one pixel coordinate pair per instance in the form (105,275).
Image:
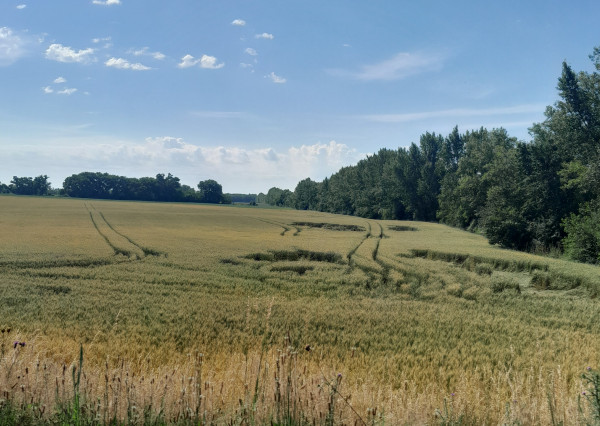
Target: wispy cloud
(106,2)
(219,114)
(63,91)
(275,78)
(238,22)
(21,6)
(107,44)
(60,53)
(206,61)
(66,91)
(145,51)
(250,51)
(12,47)
(455,113)
(265,36)
(124,64)
(399,66)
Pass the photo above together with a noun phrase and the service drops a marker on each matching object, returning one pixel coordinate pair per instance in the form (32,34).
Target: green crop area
(233,315)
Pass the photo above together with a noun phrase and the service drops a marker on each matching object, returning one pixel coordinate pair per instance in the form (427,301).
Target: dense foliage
(27,186)
(538,196)
(160,188)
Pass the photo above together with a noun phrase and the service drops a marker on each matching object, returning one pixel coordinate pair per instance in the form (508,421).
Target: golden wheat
(422,324)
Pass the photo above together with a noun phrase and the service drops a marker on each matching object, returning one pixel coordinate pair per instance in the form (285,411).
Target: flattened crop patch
(330,226)
(401,228)
(295,255)
(299,269)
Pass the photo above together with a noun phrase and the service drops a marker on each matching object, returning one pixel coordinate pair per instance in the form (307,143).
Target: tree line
(112,187)
(538,196)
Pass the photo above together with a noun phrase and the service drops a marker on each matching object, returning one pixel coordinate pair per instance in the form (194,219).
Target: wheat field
(243,315)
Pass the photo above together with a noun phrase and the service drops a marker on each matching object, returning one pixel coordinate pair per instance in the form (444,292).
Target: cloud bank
(238,169)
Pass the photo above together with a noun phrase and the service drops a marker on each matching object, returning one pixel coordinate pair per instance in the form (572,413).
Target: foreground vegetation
(222,314)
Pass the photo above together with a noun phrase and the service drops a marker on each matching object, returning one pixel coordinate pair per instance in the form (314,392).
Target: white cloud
(106,2)
(275,78)
(12,47)
(237,168)
(238,22)
(210,62)
(250,51)
(399,66)
(59,80)
(60,53)
(265,36)
(187,61)
(100,39)
(21,6)
(145,51)
(66,91)
(206,61)
(124,64)
(455,113)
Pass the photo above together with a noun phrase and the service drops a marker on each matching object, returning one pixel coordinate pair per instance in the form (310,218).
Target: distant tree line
(536,196)
(27,186)
(243,198)
(159,188)
(112,187)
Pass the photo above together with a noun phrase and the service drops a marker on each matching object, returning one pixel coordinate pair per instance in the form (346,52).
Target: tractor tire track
(147,251)
(351,253)
(381,272)
(281,225)
(120,243)
(116,249)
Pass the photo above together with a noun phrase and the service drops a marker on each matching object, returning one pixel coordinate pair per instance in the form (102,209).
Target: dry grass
(424,326)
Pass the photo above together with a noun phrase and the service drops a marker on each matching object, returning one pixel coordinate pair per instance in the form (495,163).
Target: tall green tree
(464,196)
(431,174)
(30,186)
(210,191)
(306,195)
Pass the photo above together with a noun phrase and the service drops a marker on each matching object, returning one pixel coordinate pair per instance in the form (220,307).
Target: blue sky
(262,93)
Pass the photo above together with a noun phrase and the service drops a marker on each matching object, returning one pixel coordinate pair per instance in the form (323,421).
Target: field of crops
(247,315)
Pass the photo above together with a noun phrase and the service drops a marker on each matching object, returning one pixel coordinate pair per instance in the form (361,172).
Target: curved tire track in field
(126,246)
(147,251)
(382,273)
(281,225)
(351,252)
